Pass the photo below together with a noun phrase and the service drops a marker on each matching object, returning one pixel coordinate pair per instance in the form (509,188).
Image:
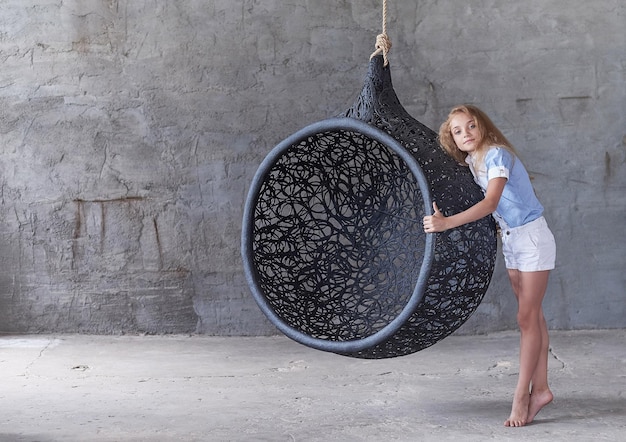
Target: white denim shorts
(528,248)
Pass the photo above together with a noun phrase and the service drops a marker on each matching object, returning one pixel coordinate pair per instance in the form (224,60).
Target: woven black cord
(333,241)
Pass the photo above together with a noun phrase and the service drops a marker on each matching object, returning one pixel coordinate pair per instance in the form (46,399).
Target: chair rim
(247,236)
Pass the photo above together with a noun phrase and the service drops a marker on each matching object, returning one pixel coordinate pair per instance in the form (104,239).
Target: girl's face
(465,133)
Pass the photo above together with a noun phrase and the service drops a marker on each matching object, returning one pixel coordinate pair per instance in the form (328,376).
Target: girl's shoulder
(498,151)
(499,155)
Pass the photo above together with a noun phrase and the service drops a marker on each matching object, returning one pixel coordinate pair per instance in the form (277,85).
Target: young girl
(469,136)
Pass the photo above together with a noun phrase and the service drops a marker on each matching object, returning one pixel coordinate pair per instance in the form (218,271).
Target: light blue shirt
(518,204)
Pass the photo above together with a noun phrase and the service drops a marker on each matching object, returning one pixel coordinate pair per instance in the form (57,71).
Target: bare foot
(538,400)
(519,411)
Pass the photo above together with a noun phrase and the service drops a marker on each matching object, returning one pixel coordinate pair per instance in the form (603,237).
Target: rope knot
(383,44)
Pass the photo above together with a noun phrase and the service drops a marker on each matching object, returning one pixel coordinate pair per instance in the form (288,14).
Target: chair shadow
(582,408)
(24,438)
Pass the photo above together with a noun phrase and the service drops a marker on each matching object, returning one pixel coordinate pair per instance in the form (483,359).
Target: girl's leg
(540,394)
(529,288)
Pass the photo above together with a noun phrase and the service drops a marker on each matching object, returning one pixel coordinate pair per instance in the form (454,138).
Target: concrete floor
(198,388)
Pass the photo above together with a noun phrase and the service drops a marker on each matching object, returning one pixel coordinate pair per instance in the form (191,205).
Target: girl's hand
(436,222)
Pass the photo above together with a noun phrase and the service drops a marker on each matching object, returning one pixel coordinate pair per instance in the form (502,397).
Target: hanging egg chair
(333,245)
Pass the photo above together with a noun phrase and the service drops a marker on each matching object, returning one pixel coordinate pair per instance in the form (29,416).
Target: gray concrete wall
(131,130)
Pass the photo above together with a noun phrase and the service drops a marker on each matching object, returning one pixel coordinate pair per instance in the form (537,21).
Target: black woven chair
(332,240)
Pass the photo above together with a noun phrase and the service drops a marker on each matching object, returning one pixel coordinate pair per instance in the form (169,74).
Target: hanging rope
(383,42)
